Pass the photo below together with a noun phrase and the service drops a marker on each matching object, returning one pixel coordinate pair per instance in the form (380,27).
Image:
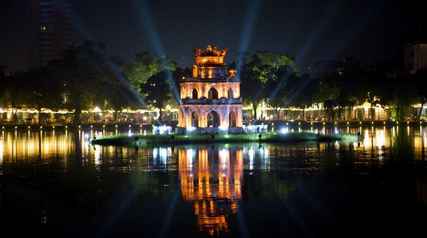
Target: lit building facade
(416,57)
(54,30)
(210,99)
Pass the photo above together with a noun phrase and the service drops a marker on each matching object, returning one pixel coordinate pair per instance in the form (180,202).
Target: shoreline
(133,125)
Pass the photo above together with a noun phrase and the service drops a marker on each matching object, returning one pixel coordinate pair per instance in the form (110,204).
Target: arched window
(213,94)
(213,119)
(195,95)
(194,120)
(230,93)
(232,119)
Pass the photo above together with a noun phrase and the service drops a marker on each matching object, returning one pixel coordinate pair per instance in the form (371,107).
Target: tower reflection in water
(211,179)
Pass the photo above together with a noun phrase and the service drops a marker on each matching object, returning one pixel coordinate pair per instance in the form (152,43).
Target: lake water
(56,183)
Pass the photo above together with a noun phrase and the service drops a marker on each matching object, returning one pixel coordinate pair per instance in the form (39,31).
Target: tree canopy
(144,67)
(264,76)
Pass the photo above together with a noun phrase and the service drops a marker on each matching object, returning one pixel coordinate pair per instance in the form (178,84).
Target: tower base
(209,130)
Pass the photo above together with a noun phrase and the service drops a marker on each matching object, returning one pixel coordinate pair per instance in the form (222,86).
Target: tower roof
(210,56)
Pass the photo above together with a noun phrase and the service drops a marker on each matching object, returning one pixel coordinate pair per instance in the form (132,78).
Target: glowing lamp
(283,130)
(97,109)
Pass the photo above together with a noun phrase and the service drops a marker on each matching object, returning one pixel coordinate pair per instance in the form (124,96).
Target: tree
(158,90)
(144,67)
(90,78)
(299,91)
(345,86)
(263,72)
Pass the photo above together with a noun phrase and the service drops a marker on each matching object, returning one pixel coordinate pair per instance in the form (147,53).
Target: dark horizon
(309,31)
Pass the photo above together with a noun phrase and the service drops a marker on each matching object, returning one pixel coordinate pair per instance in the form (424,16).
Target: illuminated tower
(210,99)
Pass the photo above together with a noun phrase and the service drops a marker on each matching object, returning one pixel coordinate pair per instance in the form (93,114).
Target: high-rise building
(416,57)
(52,22)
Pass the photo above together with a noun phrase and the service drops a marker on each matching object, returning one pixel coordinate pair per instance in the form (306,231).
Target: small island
(182,139)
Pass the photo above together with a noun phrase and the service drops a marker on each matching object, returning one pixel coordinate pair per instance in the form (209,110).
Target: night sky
(309,30)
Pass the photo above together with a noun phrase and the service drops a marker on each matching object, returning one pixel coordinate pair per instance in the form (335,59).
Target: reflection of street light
(190,155)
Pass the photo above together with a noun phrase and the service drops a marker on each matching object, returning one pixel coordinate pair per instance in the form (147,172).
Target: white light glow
(223,128)
(255,128)
(191,154)
(163,129)
(283,130)
(191,129)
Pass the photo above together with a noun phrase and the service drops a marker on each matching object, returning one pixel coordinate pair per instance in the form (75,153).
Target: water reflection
(45,145)
(216,180)
(211,179)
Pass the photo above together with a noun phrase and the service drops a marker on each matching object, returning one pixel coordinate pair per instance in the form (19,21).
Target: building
(210,99)
(53,28)
(416,57)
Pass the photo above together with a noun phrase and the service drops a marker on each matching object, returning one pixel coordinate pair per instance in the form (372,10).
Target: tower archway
(213,93)
(194,94)
(213,119)
(232,119)
(194,120)
(230,93)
